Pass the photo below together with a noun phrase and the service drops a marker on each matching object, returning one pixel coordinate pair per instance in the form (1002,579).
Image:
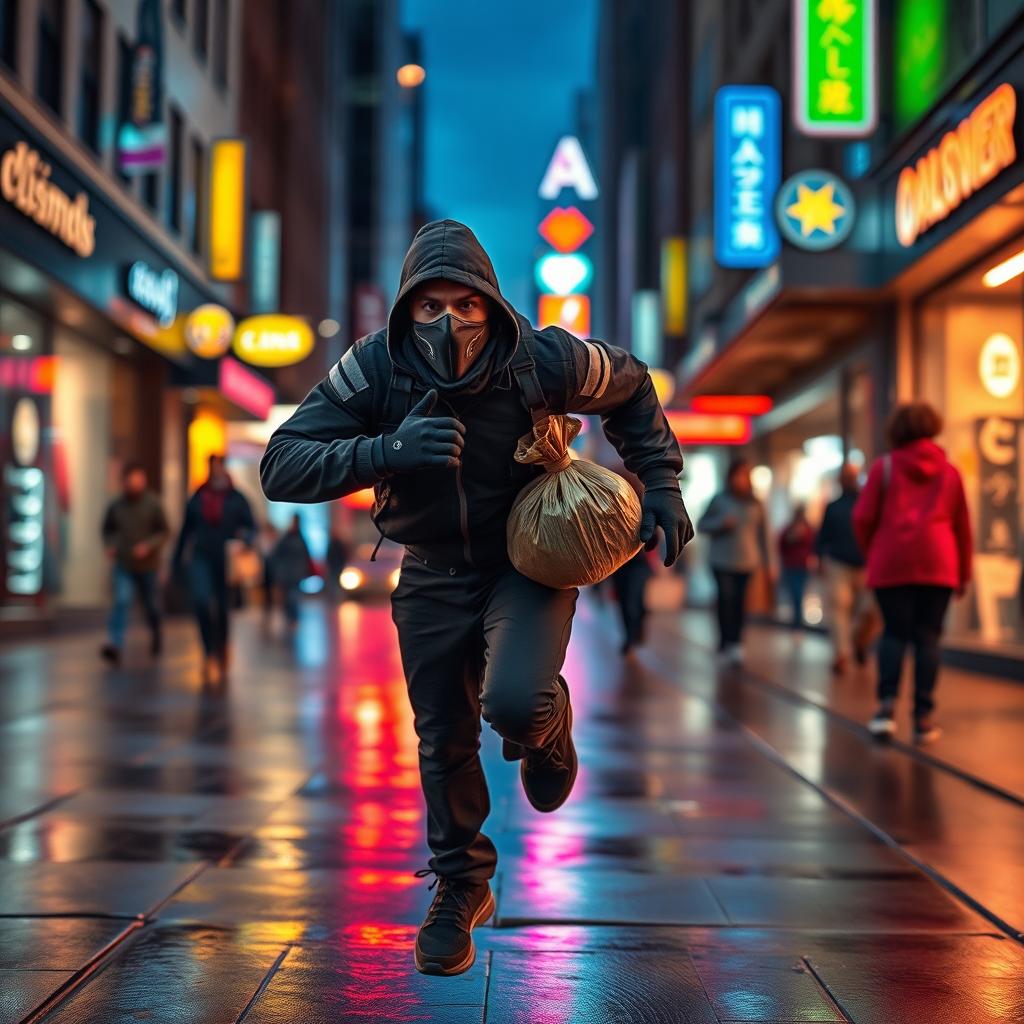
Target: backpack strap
(399,397)
(524,368)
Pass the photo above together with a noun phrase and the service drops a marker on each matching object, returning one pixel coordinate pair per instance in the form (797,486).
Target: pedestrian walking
(134,531)
(629,582)
(290,565)
(736,525)
(912,521)
(266,540)
(796,555)
(429,411)
(336,559)
(851,614)
(216,514)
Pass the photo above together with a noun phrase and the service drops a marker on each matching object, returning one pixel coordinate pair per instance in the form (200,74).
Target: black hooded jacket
(331,445)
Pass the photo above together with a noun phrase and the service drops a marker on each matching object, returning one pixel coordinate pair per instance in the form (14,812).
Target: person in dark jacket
(796,551)
(134,531)
(841,562)
(912,521)
(290,565)
(214,515)
(429,412)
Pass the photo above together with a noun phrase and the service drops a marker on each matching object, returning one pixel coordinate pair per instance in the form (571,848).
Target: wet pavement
(736,849)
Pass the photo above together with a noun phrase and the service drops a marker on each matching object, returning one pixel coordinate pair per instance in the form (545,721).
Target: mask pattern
(451,344)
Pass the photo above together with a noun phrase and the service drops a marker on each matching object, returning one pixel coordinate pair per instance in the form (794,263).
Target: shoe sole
(427,966)
(882,732)
(572,781)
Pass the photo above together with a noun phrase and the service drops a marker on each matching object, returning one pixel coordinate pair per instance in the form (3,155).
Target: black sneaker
(444,943)
(111,654)
(549,773)
(883,725)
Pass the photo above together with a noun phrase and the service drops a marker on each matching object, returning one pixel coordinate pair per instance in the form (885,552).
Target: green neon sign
(834,90)
(921,45)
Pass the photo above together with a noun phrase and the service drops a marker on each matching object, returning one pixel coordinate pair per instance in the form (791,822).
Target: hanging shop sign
(565,229)
(142,137)
(265,266)
(815,210)
(673,286)
(834,91)
(693,428)
(272,339)
(564,273)
(156,291)
(964,161)
(742,405)
(999,365)
(748,162)
(568,169)
(208,331)
(570,312)
(244,388)
(228,209)
(25,184)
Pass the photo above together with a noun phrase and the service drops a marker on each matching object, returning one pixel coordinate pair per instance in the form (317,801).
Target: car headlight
(351,579)
(394,577)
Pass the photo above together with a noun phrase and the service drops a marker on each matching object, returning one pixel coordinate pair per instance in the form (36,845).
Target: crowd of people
(891,557)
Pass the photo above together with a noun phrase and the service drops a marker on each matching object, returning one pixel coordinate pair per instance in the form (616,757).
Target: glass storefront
(968,364)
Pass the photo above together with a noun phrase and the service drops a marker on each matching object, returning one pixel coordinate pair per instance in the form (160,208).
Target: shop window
(174,162)
(221,41)
(50,54)
(8,32)
(201,29)
(90,61)
(124,96)
(151,190)
(969,353)
(197,198)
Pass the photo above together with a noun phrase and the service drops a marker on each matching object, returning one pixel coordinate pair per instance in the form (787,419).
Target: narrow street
(736,848)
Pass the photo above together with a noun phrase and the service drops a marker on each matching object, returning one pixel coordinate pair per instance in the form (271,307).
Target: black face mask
(451,344)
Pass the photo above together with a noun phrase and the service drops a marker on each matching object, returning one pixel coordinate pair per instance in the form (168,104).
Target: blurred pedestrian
(134,530)
(290,565)
(796,553)
(736,525)
(336,559)
(629,582)
(266,541)
(215,514)
(912,522)
(852,617)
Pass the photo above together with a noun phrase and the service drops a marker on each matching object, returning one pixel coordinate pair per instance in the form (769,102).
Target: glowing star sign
(563,274)
(565,229)
(815,210)
(834,67)
(568,169)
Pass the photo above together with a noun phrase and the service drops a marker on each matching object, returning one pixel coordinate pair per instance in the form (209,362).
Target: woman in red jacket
(911,520)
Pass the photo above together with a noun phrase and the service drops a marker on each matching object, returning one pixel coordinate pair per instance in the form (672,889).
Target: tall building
(108,109)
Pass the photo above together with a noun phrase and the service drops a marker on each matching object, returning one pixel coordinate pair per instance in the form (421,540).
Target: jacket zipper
(463,505)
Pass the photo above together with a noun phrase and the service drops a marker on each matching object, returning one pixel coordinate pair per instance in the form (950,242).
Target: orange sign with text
(569,311)
(693,428)
(965,160)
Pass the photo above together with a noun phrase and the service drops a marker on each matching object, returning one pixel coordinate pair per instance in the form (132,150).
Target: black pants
(208,584)
(476,642)
(629,583)
(912,615)
(732,606)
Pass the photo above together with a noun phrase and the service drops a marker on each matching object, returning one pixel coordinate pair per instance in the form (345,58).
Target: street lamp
(410,76)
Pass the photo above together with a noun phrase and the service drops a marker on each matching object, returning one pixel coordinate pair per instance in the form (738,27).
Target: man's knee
(521,713)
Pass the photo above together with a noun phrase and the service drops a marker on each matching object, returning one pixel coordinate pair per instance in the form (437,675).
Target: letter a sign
(568,169)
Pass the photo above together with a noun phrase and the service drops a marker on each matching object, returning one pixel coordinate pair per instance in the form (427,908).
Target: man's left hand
(664,507)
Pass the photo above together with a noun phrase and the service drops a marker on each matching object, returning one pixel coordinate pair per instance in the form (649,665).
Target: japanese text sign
(834,67)
(748,161)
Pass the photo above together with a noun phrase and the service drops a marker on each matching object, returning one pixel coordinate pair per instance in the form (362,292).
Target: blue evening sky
(502,76)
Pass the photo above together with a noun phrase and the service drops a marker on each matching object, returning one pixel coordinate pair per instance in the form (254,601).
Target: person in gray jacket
(737,529)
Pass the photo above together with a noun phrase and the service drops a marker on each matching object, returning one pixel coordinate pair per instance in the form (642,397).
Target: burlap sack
(576,524)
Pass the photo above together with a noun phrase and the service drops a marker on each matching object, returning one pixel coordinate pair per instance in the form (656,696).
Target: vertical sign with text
(998,524)
(748,167)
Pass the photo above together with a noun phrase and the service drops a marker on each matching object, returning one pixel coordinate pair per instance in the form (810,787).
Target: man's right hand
(423,440)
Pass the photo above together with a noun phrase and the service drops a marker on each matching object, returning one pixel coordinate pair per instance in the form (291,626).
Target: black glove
(664,507)
(423,440)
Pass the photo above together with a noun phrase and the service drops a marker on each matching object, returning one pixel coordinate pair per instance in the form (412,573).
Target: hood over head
(921,460)
(448,250)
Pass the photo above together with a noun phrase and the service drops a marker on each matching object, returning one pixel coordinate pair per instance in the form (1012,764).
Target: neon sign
(568,169)
(747,171)
(273,340)
(964,161)
(155,291)
(834,68)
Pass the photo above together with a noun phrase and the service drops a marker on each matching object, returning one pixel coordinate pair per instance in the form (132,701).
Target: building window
(124,95)
(50,54)
(221,41)
(174,160)
(200,29)
(8,31)
(151,190)
(90,62)
(195,211)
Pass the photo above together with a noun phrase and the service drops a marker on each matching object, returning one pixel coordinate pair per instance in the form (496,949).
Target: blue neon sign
(748,167)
